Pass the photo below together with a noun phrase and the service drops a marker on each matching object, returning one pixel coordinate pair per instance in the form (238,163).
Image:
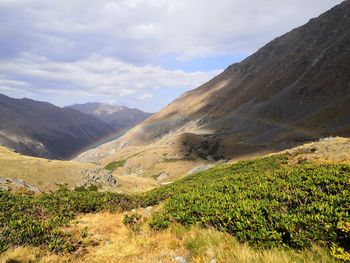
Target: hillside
(120,118)
(288,207)
(294,89)
(41,129)
(32,174)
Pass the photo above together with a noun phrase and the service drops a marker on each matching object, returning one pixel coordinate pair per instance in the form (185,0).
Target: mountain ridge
(118,117)
(277,84)
(294,89)
(42,129)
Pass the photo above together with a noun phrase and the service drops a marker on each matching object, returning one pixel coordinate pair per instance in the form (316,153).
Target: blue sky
(134,52)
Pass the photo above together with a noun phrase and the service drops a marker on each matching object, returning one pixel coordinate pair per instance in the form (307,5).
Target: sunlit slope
(294,89)
(43,173)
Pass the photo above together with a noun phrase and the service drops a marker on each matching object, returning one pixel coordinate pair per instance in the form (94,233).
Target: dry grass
(148,161)
(49,174)
(135,184)
(143,161)
(329,150)
(109,240)
(40,172)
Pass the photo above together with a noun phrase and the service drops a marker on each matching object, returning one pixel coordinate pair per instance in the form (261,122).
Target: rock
(97,177)
(147,211)
(200,169)
(8,184)
(163,176)
(327,139)
(212,260)
(180,259)
(165,183)
(3,180)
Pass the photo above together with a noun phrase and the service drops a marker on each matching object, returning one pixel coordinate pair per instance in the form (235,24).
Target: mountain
(41,129)
(118,117)
(294,89)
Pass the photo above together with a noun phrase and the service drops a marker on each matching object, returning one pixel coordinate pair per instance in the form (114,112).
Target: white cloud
(144,31)
(92,77)
(119,47)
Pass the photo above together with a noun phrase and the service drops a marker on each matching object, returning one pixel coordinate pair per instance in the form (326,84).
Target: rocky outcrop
(99,177)
(7,184)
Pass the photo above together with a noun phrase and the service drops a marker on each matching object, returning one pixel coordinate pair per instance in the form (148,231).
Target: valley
(251,166)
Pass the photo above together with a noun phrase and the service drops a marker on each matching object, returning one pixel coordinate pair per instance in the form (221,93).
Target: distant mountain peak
(119,117)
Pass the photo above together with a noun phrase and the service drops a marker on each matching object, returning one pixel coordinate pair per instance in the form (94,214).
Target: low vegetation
(115,165)
(263,202)
(37,220)
(267,203)
(112,241)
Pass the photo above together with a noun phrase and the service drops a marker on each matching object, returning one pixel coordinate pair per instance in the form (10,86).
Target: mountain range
(42,129)
(294,89)
(120,118)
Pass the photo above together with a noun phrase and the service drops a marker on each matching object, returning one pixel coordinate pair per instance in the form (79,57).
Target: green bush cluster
(262,202)
(115,165)
(133,222)
(30,220)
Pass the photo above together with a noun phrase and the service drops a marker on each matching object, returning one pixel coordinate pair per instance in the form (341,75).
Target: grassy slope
(268,202)
(109,240)
(40,172)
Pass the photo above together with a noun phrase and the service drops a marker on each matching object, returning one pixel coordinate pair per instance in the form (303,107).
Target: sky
(138,53)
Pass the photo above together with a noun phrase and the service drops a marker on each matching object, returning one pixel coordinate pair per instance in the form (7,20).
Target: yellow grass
(40,172)
(135,184)
(331,150)
(109,240)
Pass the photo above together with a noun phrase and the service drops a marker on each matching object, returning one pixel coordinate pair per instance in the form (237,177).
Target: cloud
(121,47)
(92,77)
(145,96)
(144,31)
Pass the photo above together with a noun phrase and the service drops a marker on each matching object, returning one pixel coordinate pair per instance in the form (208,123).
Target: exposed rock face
(99,177)
(201,168)
(296,88)
(163,176)
(43,130)
(120,118)
(7,184)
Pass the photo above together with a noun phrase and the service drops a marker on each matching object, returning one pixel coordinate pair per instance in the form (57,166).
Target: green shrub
(29,220)
(262,202)
(115,165)
(341,249)
(159,221)
(133,222)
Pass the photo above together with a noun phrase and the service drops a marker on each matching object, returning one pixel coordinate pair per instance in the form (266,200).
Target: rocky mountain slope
(42,129)
(118,117)
(296,88)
